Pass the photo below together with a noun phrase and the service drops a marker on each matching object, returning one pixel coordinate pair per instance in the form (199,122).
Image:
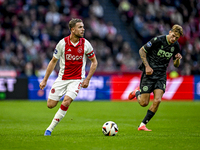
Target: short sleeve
(88,49)
(151,44)
(59,49)
(177,50)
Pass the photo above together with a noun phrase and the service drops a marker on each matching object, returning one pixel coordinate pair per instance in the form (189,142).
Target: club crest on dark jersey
(149,44)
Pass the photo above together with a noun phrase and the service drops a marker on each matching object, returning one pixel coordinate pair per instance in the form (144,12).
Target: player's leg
(143,99)
(146,87)
(158,93)
(60,114)
(56,92)
(71,92)
(51,103)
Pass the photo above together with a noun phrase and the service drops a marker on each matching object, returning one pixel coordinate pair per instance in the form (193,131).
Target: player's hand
(42,84)
(85,83)
(178,56)
(149,70)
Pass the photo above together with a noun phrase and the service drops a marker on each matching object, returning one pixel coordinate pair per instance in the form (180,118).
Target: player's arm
(93,67)
(178,57)
(49,70)
(143,56)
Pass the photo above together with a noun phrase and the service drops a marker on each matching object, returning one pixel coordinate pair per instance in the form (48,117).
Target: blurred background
(30,30)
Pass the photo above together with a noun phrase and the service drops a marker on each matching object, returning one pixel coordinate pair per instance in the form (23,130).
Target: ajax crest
(80,50)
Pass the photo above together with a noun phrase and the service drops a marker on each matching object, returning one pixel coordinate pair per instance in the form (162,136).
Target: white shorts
(60,87)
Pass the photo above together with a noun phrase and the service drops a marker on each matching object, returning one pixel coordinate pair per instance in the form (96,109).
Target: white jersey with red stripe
(73,58)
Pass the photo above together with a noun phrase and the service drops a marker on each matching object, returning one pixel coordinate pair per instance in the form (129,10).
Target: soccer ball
(110,128)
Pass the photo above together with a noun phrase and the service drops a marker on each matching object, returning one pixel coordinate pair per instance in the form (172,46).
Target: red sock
(64,108)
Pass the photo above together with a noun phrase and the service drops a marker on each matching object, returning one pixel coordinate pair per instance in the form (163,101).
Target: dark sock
(137,93)
(148,116)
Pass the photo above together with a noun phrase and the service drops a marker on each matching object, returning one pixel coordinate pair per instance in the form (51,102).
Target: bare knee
(144,103)
(157,101)
(50,106)
(67,101)
(144,99)
(51,103)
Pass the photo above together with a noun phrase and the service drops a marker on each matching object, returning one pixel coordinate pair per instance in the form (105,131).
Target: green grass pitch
(176,126)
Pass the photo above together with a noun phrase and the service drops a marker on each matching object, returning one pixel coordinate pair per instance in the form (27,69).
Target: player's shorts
(60,87)
(149,84)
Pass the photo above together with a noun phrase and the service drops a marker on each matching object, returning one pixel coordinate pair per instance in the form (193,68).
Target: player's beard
(78,35)
(172,41)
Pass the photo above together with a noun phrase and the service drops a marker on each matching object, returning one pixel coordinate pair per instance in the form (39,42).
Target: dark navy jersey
(158,53)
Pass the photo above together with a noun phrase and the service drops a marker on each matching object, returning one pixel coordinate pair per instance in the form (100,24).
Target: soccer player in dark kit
(156,55)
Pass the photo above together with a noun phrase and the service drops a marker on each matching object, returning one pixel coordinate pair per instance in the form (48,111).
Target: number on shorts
(79,86)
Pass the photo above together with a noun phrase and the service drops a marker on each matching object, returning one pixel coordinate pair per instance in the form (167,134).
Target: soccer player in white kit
(73,52)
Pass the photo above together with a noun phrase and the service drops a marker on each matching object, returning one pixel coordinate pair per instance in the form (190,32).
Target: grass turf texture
(175,126)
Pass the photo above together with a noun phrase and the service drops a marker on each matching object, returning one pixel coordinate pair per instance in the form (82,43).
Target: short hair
(177,29)
(73,22)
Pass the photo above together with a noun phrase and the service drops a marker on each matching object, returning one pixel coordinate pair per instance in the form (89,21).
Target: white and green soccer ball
(110,128)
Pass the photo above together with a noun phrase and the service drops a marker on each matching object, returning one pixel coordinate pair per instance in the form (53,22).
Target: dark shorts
(149,83)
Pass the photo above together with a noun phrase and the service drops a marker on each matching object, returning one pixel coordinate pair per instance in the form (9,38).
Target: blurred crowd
(150,18)
(30,30)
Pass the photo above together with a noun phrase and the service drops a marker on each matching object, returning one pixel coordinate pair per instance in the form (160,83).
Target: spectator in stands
(159,16)
(96,9)
(37,25)
(52,15)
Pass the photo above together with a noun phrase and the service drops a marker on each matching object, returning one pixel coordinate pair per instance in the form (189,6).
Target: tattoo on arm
(143,56)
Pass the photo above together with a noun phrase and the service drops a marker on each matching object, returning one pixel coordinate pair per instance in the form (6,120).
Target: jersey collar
(79,43)
(167,40)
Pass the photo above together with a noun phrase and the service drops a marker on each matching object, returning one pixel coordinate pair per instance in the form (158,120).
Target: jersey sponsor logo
(149,44)
(55,51)
(73,57)
(162,53)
